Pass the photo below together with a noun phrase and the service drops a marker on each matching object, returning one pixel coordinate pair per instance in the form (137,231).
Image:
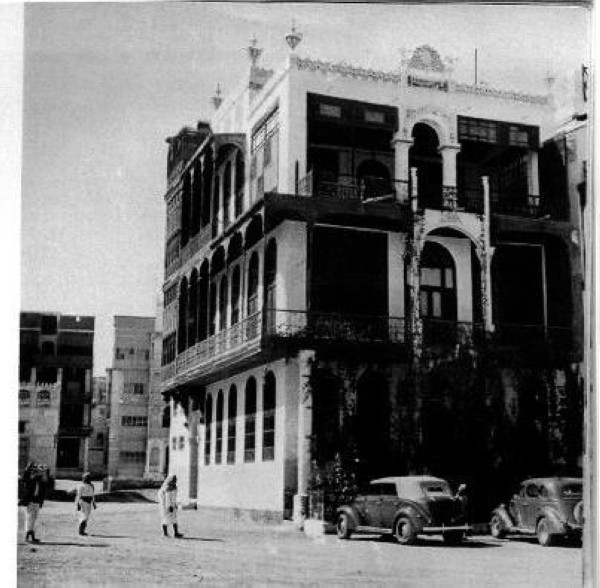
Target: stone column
(449,194)
(485,256)
(401,172)
(193,445)
(305,358)
(413,257)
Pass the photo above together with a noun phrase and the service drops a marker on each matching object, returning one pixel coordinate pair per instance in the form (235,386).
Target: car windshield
(572,490)
(436,489)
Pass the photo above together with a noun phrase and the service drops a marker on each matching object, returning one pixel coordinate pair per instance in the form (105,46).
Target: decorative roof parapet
(344,69)
(495,93)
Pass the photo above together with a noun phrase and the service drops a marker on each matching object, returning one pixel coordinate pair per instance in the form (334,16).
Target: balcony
(373,189)
(534,338)
(345,187)
(444,333)
(322,327)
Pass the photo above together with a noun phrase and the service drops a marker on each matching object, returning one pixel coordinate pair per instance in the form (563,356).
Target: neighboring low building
(128,385)
(55,391)
(99,438)
(159,412)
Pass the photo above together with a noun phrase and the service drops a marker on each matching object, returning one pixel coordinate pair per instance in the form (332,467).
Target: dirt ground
(126,547)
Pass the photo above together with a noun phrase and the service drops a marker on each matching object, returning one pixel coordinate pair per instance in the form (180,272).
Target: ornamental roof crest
(426,58)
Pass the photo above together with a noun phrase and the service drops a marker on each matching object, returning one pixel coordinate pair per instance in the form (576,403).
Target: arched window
(216,206)
(48,348)
(223,304)
(253,285)
(239,183)
(24,397)
(181,329)
(207,429)
(227,194)
(166,417)
(250,421)
(252,330)
(207,181)
(185,209)
(424,155)
(196,197)
(192,313)
(438,283)
(270,284)
(219,424)
(203,303)
(212,326)
(235,296)
(154,457)
(43,398)
(269,403)
(231,423)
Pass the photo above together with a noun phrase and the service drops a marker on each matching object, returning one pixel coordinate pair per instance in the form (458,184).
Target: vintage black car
(550,508)
(406,507)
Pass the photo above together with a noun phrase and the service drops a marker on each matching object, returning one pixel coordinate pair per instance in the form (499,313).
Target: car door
(518,507)
(389,504)
(372,505)
(531,499)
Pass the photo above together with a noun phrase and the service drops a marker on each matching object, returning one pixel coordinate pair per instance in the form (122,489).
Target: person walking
(167,502)
(85,500)
(35,479)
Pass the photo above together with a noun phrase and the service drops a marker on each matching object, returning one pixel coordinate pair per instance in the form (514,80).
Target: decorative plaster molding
(496,93)
(345,69)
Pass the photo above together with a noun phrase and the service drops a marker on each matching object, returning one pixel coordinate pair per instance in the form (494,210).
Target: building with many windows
(98,455)
(55,391)
(366,263)
(128,385)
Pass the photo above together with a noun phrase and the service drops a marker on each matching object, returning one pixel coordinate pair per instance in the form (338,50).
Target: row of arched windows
(202,189)
(225,440)
(211,300)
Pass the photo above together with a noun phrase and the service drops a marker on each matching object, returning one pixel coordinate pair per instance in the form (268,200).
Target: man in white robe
(167,502)
(85,501)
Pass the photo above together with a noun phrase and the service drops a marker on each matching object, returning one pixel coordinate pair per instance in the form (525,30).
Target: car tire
(343,527)
(545,537)
(453,537)
(497,529)
(404,531)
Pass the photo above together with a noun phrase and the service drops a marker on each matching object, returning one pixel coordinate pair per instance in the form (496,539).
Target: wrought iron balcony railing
(438,332)
(322,326)
(346,187)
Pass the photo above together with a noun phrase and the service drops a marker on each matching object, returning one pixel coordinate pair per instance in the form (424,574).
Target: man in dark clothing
(34,483)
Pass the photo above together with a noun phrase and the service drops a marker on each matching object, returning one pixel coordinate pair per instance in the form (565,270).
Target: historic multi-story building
(128,384)
(55,395)
(364,263)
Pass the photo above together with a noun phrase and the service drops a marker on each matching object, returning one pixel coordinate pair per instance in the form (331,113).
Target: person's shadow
(67,544)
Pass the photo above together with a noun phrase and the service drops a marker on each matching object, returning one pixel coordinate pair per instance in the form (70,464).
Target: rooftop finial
(254,52)
(293,38)
(216,99)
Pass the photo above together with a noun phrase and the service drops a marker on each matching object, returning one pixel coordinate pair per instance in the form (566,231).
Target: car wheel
(343,527)
(453,537)
(545,537)
(497,529)
(405,531)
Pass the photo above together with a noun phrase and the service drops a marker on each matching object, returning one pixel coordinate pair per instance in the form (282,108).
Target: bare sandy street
(126,548)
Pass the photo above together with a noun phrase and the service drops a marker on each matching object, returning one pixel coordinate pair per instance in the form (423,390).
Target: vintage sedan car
(406,507)
(547,507)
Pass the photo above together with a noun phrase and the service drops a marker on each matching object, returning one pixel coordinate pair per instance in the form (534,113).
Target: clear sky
(105,84)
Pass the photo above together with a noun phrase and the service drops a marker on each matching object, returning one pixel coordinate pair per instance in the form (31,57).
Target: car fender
(352,518)
(557,523)
(416,516)
(502,512)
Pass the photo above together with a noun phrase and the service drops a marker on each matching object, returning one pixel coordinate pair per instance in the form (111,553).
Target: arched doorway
(438,283)
(424,155)
(372,425)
